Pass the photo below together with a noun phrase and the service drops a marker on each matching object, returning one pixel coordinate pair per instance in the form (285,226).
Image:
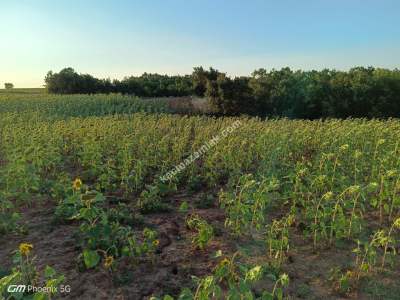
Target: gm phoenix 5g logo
(13,288)
(22,288)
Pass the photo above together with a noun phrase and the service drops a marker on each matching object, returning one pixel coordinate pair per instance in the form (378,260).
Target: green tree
(8,85)
(230,96)
(200,77)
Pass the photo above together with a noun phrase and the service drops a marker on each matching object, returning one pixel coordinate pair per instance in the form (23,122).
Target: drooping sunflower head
(25,248)
(381,142)
(284,279)
(397,223)
(108,262)
(328,195)
(77,184)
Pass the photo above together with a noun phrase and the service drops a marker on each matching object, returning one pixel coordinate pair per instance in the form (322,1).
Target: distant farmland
(28,91)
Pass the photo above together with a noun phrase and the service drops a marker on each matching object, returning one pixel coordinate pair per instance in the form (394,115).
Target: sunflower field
(276,209)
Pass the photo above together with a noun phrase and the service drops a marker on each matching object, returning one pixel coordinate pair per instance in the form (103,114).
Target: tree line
(360,92)
(67,81)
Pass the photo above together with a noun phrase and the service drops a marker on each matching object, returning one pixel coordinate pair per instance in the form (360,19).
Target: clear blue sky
(119,38)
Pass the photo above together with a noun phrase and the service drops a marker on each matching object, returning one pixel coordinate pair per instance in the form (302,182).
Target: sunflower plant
(25,273)
(204,231)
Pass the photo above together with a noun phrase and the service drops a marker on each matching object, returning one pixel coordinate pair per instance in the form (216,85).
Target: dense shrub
(360,92)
